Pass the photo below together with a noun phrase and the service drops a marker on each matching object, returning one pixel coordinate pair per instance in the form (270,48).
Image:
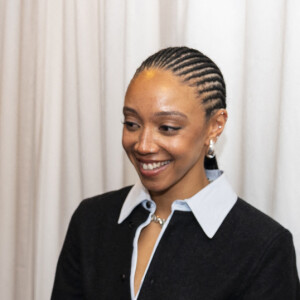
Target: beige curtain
(64,68)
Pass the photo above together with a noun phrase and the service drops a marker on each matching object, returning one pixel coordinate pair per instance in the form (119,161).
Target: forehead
(158,90)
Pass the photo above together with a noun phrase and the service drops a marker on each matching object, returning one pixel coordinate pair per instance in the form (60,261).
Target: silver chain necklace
(157,219)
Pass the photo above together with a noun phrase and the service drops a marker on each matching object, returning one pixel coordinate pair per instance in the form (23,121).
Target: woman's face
(165,133)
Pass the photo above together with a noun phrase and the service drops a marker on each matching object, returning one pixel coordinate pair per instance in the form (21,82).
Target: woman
(180,232)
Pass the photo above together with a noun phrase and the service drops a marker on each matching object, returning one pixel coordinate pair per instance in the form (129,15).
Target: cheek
(126,141)
(129,140)
(188,143)
(189,147)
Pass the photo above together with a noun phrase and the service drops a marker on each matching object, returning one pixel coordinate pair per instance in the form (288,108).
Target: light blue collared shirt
(210,206)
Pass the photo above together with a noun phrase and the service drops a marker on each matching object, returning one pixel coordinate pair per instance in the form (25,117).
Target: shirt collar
(136,195)
(210,205)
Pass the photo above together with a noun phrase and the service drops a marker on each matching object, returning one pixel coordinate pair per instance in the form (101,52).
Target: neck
(164,199)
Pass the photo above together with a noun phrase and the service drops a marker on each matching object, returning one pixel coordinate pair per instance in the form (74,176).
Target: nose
(146,143)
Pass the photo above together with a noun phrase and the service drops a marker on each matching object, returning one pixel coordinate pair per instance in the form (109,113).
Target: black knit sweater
(250,257)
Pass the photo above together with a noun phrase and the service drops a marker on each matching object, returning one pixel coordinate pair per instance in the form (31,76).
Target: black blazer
(250,257)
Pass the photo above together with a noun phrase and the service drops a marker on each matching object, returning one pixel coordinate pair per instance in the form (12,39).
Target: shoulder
(107,205)
(255,233)
(111,198)
(253,221)
(266,251)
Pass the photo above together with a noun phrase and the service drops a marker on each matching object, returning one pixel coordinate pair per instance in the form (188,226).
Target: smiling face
(165,133)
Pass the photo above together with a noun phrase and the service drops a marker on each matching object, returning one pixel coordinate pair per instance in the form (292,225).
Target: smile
(153,166)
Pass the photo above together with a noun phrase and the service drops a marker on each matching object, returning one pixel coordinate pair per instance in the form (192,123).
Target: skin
(164,121)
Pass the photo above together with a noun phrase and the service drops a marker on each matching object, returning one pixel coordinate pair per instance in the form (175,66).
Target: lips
(155,165)
(153,168)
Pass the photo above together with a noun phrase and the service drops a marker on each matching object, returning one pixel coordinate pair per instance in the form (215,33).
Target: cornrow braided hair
(196,70)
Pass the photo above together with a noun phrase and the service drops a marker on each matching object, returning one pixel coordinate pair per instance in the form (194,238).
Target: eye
(169,129)
(131,126)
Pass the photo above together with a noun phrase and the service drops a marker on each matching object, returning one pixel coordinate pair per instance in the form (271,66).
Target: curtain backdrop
(64,68)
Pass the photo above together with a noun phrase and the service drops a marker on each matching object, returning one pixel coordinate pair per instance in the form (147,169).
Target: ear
(216,125)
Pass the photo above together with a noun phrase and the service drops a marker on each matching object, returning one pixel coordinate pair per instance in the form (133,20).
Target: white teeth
(154,165)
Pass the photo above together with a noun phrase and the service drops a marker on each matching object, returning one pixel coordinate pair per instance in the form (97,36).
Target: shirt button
(130,224)
(148,204)
(123,277)
(152,281)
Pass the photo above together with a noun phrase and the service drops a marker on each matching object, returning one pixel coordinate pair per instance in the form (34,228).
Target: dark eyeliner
(169,129)
(131,126)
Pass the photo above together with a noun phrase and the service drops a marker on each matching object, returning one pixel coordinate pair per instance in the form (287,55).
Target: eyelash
(166,129)
(130,125)
(169,129)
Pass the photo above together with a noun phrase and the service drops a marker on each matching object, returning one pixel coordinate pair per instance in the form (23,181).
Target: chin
(157,188)
(152,186)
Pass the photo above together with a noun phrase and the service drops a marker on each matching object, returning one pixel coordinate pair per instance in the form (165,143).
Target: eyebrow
(157,114)
(170,113)
(129,110)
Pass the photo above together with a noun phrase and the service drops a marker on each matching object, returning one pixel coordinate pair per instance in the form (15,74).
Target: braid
(196,70)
